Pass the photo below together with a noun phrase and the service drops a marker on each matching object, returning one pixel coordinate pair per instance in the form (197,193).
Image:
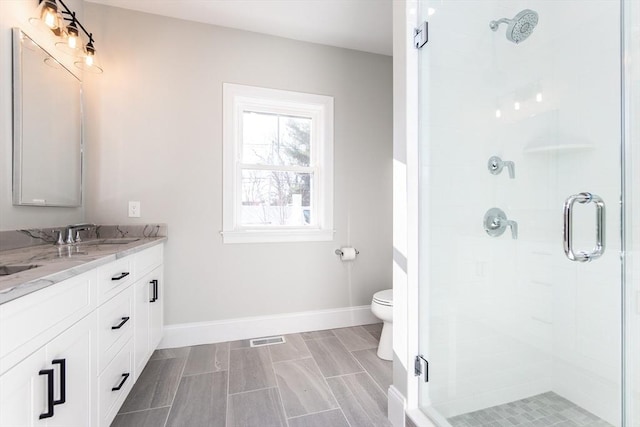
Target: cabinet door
(23,393)
(156,311)
(70,355)
(143,294)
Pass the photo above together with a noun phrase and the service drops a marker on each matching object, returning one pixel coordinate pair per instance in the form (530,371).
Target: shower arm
(495,24)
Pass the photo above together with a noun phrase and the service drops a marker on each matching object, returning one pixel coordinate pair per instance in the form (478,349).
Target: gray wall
(15,13)
(155,135)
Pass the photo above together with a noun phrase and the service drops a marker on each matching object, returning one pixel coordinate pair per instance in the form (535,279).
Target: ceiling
(353,24)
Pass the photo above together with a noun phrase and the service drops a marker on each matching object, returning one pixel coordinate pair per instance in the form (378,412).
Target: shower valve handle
(496,222)
(514,228)
(496,164)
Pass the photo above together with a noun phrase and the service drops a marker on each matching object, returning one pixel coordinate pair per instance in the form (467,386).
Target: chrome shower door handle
(598,249)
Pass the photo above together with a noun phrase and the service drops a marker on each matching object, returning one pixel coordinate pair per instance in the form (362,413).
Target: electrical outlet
(134,209)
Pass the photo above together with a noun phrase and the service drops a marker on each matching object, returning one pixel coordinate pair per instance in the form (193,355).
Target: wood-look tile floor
(316,379)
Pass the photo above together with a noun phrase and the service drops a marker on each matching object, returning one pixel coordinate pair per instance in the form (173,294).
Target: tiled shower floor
(547,409)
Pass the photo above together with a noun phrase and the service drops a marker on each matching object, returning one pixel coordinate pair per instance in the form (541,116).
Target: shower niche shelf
(545,146)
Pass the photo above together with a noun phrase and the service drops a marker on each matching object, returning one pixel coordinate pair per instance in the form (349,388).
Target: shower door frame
(405,22)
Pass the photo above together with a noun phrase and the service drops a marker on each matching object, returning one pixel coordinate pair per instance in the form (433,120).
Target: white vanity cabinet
(22,392)
(148,299)
(70,353)
(52,387)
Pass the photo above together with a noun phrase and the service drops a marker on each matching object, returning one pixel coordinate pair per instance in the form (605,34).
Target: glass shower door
(521,140)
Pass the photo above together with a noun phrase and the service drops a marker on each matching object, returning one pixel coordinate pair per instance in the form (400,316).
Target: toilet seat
(384,297)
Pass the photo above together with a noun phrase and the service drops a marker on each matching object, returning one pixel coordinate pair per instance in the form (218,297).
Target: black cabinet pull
(63,380)
(154,283)
(49,374)
(124,380)
(119,325)
(121,276)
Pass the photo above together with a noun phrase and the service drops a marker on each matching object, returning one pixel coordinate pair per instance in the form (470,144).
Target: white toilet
(382,307)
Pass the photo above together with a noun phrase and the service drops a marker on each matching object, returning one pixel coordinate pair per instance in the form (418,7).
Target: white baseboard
(187,334)
(421,420)
(396,404)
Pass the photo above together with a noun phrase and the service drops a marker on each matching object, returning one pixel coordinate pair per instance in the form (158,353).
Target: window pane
(259,131)
(295,141)
(272,139)
(275,198)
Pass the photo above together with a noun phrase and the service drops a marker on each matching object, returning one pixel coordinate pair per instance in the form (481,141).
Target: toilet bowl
(382,308)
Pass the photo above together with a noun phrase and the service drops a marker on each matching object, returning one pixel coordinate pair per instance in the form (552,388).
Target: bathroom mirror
(47,128)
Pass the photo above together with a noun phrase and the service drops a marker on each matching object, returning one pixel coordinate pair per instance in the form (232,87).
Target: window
(277,165)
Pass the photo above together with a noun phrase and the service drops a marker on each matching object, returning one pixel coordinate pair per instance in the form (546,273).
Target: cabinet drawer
(148,259)
(115,320)
(114,384)
(114,277)
(29,322)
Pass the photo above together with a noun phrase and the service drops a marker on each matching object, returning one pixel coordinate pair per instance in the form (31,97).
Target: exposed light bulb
(498,113)
(516,105)
(72,33)
(539,97)
(88,63)
(50,19)
(91,51)
(47,17)
(49,14)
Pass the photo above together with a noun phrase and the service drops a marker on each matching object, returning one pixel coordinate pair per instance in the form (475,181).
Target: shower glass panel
(520,109)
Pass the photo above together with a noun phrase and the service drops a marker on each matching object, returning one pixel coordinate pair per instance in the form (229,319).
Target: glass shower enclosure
(522,177)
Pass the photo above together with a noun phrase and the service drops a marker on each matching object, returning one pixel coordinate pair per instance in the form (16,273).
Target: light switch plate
(134,209)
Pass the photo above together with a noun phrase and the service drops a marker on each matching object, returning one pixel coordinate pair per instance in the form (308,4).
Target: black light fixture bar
(70,16)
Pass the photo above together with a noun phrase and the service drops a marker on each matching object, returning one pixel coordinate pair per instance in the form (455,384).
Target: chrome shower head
(520,27)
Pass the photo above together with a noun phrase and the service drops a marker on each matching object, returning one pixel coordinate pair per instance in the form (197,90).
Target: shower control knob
(496,222)
(496,164)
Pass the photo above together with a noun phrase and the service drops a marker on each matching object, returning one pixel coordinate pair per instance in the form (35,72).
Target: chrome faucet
(71,229)
(59,239)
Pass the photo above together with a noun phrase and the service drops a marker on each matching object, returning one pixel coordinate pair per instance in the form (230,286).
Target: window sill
(277,236)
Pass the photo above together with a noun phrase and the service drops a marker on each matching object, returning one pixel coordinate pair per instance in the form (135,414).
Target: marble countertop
(58,263)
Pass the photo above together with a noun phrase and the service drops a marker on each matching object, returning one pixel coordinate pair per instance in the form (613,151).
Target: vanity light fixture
(48,16)
(89,63)
(72,44)
(54,19)
(72,33)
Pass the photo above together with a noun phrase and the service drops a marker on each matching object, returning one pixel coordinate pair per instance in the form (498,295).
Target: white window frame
(319,108)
